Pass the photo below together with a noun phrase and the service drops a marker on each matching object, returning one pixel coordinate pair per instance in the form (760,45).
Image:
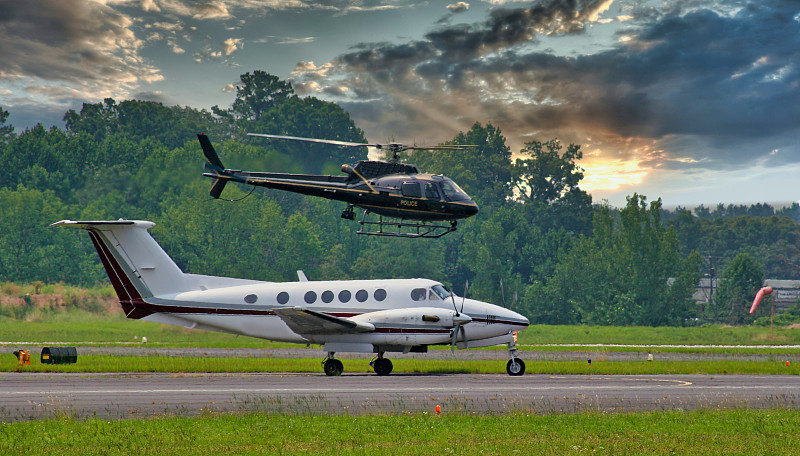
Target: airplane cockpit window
(432,296)
(452,191)
(440,291)
(419,294)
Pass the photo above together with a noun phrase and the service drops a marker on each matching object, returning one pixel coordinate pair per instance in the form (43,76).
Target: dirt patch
(102,305)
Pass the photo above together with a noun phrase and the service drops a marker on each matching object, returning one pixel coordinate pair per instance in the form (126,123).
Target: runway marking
(493,389)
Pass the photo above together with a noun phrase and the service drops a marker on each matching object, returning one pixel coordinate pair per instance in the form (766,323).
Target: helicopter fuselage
(427,197)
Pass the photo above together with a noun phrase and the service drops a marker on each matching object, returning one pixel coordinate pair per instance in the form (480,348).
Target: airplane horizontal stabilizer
(305,321)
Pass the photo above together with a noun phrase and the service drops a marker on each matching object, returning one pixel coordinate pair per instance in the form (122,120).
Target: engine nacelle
(416,316)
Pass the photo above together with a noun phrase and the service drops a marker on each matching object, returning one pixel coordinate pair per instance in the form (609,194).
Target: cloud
(210,10)
(83,48)
(707,87)
(231,45)
(458,7)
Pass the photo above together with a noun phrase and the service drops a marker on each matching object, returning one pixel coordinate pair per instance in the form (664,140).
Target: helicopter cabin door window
(411,189)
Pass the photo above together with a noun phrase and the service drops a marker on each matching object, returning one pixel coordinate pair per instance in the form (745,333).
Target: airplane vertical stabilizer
(136,265)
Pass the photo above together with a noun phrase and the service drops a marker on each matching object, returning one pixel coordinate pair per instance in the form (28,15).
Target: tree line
(540,245)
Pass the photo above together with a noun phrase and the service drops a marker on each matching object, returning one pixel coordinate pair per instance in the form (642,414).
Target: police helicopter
(407,203)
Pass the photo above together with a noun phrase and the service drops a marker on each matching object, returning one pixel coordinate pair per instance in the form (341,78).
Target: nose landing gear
(515,366)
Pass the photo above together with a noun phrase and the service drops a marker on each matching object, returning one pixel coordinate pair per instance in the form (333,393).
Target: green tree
(257,94)
(548,183)
(484,172)
(741,279)
(6,131)
(30,250)
(313,118)
(628,272)
(96,119)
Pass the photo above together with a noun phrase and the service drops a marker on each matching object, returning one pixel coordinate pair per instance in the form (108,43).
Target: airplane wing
(305,321)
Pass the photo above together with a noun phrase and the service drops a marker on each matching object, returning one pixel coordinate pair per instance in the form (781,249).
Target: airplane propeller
(459,320)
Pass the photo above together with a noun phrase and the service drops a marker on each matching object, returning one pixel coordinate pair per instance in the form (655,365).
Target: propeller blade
(455,336)
(452,298)
(463,298)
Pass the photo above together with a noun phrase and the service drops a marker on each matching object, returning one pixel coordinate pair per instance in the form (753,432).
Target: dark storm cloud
(714,78)
(71,41)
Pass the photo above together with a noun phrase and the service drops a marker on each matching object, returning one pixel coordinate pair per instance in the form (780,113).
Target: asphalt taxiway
(25,396)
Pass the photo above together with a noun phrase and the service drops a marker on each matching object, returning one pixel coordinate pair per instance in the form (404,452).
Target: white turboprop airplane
(368,316)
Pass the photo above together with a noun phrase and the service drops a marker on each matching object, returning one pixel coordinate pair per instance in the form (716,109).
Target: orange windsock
(759,296)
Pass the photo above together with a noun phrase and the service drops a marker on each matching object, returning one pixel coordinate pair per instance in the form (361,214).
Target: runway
(25,396)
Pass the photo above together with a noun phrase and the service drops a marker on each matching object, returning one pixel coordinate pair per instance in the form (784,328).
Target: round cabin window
(283,297)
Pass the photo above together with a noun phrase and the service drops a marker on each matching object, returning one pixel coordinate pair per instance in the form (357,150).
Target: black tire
(382,366)
(515,367)
(333,367)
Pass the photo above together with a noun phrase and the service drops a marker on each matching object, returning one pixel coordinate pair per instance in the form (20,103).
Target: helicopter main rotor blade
(323,141)
(392,147)
(453,147)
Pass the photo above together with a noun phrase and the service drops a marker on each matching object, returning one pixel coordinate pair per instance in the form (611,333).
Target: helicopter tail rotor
(212,159)
(214,164)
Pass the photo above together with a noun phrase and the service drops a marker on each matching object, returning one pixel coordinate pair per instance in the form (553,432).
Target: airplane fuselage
(249,310)
(378,316)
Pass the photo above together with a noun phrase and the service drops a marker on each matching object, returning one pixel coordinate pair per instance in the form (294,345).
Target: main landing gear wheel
(382,366)
(333,367)
(515,367)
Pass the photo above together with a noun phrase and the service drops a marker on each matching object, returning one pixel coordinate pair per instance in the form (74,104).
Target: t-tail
(214,164)
(144,277)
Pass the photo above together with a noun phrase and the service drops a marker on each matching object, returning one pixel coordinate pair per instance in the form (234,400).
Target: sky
(691,101)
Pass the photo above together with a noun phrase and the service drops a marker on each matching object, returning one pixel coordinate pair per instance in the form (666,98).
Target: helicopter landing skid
(404,228)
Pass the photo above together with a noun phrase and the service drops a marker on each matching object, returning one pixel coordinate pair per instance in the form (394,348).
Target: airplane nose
(519,319)
(472,209)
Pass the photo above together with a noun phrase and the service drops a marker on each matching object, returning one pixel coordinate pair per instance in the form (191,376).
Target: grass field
(708,432)
(103,363)
(739,432)
(85,327)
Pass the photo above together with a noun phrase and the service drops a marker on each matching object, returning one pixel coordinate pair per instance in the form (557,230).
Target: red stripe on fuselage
(129,297)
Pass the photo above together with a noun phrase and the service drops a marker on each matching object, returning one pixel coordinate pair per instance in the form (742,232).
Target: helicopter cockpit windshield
(452,191)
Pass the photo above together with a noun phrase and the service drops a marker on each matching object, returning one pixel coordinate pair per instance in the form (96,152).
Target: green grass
(103,363)
(739,432)
(72,327)
(644,335)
